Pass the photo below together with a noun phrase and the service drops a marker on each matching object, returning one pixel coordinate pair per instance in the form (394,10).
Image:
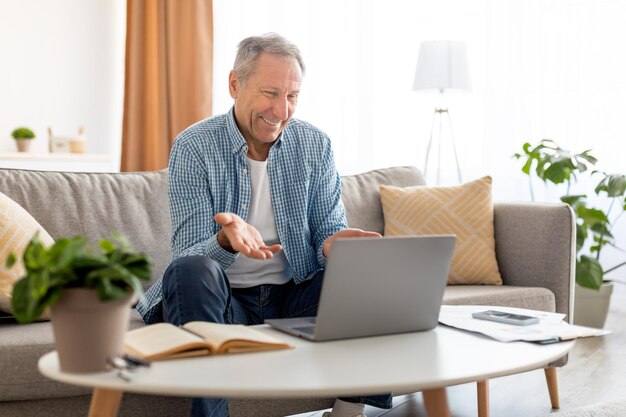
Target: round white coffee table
(403,363)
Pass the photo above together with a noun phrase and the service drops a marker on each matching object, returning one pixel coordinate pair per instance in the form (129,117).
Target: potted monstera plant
(89,291)
(594,223)
(23,136)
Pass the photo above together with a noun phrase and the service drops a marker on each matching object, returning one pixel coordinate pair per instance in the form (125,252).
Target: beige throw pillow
(17,228)
(465,210)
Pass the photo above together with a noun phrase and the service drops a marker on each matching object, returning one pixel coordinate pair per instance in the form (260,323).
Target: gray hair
(250,49)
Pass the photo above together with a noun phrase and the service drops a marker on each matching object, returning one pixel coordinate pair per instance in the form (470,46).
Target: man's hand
(347,233)
(238,236)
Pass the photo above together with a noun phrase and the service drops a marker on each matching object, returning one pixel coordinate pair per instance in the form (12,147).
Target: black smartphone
(504,317)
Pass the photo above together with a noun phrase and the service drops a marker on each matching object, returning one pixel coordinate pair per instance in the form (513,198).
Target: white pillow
(17,228)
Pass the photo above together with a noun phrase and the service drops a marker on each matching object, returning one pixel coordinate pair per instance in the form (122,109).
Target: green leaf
(556,173)
(573,200)
(35,256)
(140,271)
(591,215)
(601,187)
(600,242)
(601,229)
(108,291)
(107,246)
(589,272)
(11,259)
(587,157)
(63,253)
(527,166)
(90,261)
(51,297)
(20,300)
(541,168)
(38,284)
(581,236)
(123,242)
(25,307)
(616,185)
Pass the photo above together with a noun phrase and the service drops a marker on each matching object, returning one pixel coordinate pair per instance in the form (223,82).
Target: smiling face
(266,102)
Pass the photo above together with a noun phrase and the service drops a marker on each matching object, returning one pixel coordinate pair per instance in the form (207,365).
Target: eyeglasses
(126,365)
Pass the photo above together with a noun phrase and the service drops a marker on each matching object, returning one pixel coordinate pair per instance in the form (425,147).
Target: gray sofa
(534,245)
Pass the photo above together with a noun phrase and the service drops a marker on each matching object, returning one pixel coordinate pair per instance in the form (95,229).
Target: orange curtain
(169,54)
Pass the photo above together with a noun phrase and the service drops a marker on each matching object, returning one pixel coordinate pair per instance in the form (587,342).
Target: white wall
(539,69)
(62,65)
(361,57)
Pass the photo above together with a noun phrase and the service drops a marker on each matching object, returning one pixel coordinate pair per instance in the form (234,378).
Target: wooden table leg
(436,402)
(553,387)
(482,394)
(105,402)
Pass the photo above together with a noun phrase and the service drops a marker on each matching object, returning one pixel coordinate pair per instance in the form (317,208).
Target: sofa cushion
(21,346)
(533,298)
(95,204)
(465,210)
(361,197)
(17,228)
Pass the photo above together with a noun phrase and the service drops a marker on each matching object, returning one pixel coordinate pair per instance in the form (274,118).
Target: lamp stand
(438,116)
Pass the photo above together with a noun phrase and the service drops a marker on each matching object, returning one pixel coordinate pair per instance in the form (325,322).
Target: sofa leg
(436,402)
(553,387)
(482,395)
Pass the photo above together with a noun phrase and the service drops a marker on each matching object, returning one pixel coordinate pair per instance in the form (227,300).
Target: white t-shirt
(247,272)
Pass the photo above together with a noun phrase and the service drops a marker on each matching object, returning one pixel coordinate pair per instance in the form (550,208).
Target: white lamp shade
(442,65)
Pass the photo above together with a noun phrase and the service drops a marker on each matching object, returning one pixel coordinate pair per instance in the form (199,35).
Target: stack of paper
(551,327)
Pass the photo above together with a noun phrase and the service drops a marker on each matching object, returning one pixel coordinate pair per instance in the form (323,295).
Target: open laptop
(374,287)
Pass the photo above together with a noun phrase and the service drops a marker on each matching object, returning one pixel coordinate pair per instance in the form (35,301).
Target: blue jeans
(196,288)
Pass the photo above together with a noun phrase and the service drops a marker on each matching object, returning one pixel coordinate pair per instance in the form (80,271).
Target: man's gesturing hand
(347,233)
(238,236)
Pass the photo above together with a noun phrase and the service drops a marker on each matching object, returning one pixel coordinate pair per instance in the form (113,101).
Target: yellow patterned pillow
(465,210)
(17,228)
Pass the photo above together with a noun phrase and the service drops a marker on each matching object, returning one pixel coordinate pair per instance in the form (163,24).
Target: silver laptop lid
(383,286)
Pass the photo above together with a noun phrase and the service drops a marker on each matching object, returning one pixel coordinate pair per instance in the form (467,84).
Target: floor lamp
(441,65)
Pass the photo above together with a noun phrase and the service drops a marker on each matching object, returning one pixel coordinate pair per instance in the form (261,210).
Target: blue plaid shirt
(208,174)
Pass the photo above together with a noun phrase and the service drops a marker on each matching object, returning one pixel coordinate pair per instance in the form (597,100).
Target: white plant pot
(591,307)
(22,145)
(86,330)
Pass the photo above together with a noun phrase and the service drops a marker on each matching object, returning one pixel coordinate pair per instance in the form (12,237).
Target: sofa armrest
(536,247)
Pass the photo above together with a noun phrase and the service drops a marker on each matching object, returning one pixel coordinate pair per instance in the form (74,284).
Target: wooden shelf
(35,156)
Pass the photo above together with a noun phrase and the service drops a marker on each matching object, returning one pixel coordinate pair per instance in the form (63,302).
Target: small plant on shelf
(23,137)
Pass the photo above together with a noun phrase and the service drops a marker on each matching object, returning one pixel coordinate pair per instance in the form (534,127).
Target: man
(255,201)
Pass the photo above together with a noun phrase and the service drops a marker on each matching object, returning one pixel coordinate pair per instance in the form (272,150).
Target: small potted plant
(23,136)
(89,292)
